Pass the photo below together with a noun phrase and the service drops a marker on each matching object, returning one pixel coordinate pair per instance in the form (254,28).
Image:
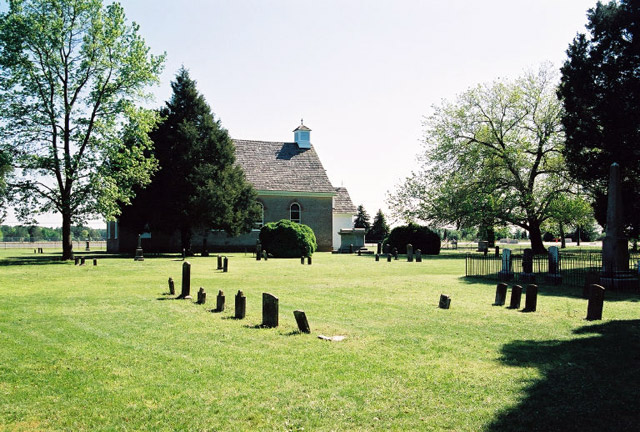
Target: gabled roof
(342,202)
(280,166)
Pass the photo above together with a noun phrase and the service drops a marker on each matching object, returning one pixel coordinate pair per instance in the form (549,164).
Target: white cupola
(301,136)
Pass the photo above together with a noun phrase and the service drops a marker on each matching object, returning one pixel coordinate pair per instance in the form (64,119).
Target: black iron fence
(574,267)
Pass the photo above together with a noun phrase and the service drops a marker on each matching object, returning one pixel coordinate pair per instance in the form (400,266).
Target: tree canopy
(198,186)
(494,156)
(71,72)
(379,229)
(362,219)
(600,90)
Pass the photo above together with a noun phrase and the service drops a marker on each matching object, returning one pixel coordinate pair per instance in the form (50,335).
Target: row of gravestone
(594,307)
(80,261)
(269,302)
(552,277)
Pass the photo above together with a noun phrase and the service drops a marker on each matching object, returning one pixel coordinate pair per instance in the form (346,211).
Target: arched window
(295,212)
(260,220)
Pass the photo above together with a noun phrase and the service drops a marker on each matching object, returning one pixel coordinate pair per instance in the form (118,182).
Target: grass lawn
(105,348)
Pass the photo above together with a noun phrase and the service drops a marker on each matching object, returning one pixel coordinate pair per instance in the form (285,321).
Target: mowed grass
(105,348)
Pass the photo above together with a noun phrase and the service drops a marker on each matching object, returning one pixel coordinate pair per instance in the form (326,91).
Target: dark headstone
(269,310)
(139,254)
(379,250)
(388,257)
(302,259)
(258,251)
(596,302)
(241,305)
(301,319)
(95,261)
(186,281)
(409,252)
(82,261)
(516,297)
(445,301)
(225,265)
(265,255)
(395,254)
(531,298)
(76,260)
(527,275)
(219,263)
(220,301)
(501,294)
(172,287)
(359,252)
(309,260)
(202,296)
(87,248)
(418,255)
(377,257)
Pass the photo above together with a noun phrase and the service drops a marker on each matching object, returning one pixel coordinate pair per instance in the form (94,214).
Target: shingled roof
(342,202)
(280,166)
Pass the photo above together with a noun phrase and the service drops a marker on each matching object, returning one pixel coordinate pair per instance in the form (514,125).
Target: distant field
(105,348)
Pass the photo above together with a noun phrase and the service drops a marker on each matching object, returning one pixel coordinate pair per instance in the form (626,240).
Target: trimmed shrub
(286,239)
(420,237)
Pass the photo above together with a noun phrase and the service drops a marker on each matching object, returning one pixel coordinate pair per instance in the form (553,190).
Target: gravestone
(516,297)
(302,260)
(506,274)
(388,257)
(379,250)
(553,277)
(220,301)
(359,252)
(501,294)
(590,279)
(241,305)
(87,248)
(225,264)
(531,298)
(445,302)
(269,310)
(202,296)
(205,250)
(76,260)
(418,255)
(377,257)
(172,287)
(82,261)
(95,261)
(309,260)
(258,251)
(395,254)
(265,255)
(139,255)
(409,252)
(219,263)
(527,275)
(186,281)
(596,302)
(301,319)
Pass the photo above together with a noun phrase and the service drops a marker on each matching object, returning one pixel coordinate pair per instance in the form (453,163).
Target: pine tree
(380,229)
(362,219)
(198,185)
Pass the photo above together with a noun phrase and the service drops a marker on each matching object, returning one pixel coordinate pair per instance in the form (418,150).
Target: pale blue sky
(362,74)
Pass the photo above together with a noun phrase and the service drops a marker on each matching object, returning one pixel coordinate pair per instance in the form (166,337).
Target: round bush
(420,237)
(286,239)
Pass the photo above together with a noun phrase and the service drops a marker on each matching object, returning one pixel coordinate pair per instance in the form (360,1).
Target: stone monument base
(620,281)
(139,256)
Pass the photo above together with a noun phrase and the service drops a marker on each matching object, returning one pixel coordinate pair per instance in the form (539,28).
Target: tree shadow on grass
(555,291)
(39,259)
(587,384)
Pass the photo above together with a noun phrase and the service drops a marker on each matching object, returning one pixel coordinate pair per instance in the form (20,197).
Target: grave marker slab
(301,320)
(596,302)
(225,265)
(388,257)
(309,260)
(531,298)
(220,299)
(409,252)
(139,255)
(418,255)
(219,263)
(202,296)
(172,287)
(516,297)
(445,301)
(186,281)
(501,294)
(377,257)
(241,305)
(269,310)
(527,274)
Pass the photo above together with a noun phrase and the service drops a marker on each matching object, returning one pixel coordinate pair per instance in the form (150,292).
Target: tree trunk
(563,244)
(67,243)
(578,235)
(535,236)
(185,239)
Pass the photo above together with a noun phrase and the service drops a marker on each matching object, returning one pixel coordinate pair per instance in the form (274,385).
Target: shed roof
(280,166)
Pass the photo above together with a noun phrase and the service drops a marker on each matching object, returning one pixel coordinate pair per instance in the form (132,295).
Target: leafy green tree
(362,219)
(600,90)
(198,186)
(70,74)
(492,157)
(5,168)
(379,229)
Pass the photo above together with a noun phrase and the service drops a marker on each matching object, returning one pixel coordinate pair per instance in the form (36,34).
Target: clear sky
(362,73)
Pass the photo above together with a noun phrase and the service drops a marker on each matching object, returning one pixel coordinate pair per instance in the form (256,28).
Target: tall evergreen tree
(600,90)
(379,229)
(198,185)
(362,219)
